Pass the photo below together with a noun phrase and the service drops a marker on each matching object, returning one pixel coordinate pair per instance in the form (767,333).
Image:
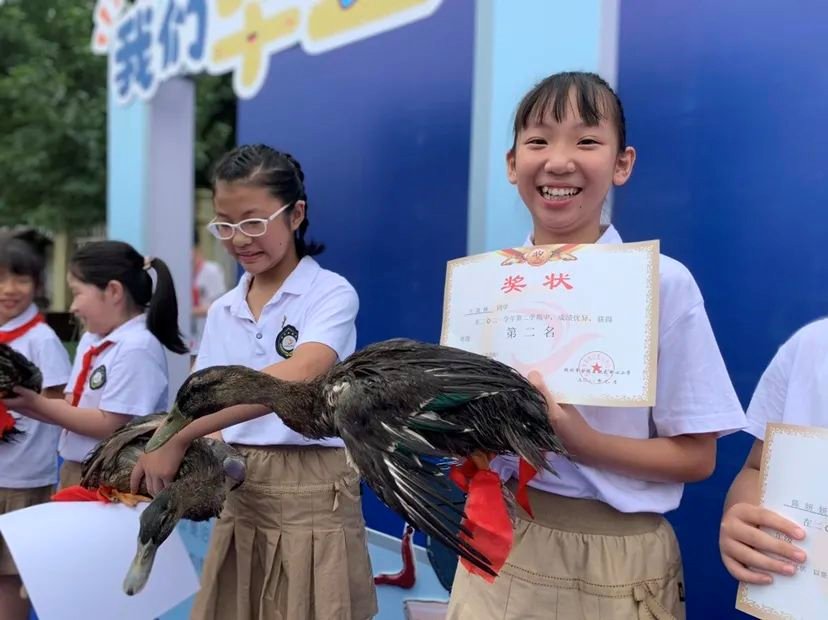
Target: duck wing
(16,369)
(461,401)
(407,472)
(112,460)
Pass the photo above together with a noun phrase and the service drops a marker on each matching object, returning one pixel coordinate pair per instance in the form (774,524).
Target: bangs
(19,258)
(594,100)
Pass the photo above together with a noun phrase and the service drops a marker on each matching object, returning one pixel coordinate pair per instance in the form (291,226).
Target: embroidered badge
(286,341)
(97,378)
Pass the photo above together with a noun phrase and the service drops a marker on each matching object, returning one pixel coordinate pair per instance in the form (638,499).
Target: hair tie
(148,262)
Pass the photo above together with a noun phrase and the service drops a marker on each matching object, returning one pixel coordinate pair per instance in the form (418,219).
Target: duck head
(204,392)
(157,522)
(218,387)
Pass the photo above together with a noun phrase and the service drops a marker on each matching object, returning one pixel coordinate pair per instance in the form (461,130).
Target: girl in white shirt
(120,368)
(28,467)
(793,390)
(290,542)
(599,545)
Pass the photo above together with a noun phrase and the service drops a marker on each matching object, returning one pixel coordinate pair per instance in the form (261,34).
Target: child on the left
(28,463)
(120,368)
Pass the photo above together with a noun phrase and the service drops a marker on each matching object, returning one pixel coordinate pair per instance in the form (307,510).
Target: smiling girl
(28,467)
(599,545)
(120,369)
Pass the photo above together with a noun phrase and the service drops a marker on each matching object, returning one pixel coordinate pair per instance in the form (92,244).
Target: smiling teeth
(559,192)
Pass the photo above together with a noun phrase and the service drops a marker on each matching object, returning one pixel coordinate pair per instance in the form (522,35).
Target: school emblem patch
(97,378)
(286,341)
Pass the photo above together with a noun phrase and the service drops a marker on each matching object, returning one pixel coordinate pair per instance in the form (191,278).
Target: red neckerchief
(486,515)
(88,357)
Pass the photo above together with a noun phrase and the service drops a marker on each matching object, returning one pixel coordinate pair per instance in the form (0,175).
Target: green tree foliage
(53,117)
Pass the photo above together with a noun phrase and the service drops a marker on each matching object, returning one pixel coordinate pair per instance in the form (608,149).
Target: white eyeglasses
(253,227)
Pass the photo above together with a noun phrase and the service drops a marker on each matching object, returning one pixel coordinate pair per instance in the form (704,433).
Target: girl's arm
(744,547)
(685,458)
(745,487)
(56,391)
(84,421)
(308,361)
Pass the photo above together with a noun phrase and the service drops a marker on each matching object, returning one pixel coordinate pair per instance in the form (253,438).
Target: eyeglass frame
(237,227)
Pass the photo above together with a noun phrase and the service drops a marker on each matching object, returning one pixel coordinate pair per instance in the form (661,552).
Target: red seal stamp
(596,367)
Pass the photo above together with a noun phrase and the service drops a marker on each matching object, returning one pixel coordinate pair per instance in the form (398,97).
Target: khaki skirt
(16,499)
(70,474)
(290,543)
(579,560)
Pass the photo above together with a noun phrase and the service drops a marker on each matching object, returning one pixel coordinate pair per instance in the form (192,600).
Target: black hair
(278,172)
(101,262)
(594,97)
(22,259)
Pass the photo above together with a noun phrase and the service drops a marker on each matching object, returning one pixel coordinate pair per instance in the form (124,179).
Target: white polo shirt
(129,378)
(312,305)
(31,459)
(794,387)
(693,395)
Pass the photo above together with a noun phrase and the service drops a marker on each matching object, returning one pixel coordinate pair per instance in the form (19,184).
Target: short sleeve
(331,320)
(768,401)
(51,357)
(136,382)
(694,393)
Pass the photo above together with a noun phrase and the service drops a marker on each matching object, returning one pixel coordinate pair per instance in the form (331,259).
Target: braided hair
(280,173)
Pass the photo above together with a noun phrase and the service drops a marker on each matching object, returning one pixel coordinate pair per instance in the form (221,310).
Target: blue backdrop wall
(725,102)
(382,130)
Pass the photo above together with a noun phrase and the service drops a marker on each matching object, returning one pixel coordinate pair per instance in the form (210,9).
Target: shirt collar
(610,235)
(136,323)
(21,319)
(298,282)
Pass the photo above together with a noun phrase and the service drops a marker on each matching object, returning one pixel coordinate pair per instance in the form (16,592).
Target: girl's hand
(746,549)
(25,400)
(566,420)
(158,467)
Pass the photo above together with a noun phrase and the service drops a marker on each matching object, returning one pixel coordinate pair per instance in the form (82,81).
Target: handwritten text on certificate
(585,316)
(793,485)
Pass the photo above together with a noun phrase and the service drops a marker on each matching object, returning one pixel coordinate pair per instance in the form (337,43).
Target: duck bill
(172,424)
(140,568)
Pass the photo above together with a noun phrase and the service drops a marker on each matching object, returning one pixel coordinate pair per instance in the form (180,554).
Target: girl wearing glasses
(291,541)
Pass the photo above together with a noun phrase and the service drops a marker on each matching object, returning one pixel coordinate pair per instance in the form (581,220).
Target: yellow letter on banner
(333,23)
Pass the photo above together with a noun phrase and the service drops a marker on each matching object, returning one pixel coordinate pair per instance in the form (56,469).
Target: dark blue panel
(725,102)
(382,129)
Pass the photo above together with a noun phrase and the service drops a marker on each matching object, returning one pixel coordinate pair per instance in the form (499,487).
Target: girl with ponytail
(120,370)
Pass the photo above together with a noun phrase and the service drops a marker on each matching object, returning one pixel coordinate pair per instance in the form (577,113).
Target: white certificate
(584,316)
(793,485)
(73,557)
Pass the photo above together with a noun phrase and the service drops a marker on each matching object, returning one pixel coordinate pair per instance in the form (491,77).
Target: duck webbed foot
(481,459)
(119,497)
